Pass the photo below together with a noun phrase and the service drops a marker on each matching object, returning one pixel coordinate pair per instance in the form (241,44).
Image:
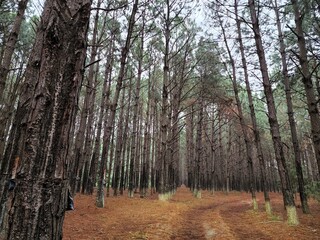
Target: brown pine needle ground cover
(217,216)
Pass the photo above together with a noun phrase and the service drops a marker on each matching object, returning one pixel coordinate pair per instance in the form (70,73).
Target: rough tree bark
(164,121)
(106,91)
(293,127)
(90,133)
(190,147)
(39,156)
(273,122)
(307,82)
(10,46)
(111,118)
(256,131)
(118,161)
(245,130)
(198,148)
(147,144)
(5,68)
(126,142)
(78,152)
(134,135)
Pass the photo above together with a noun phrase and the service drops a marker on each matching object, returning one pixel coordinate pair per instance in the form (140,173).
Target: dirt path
(202,220)
(184,217)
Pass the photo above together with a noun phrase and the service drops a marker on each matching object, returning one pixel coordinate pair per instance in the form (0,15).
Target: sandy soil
(217,216)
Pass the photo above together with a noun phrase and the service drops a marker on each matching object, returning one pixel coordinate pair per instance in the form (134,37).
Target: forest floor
(217,216)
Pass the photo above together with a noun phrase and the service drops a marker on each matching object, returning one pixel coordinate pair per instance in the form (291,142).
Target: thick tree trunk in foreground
(46,111)
(273,121)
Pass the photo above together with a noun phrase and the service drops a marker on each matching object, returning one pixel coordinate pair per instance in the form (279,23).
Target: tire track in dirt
(241,221)
(202,221)
(194,224)
(212,218)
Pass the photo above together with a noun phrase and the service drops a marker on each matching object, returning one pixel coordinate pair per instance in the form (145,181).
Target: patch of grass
(275,218)
(139,235)
(313,190)
(253,212)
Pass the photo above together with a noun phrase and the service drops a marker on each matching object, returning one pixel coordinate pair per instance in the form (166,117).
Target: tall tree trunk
(256,131)
(4,71)
(88,146)
(45,115)
(157,145)
(10,46)
(179,81)
(229,162)
(213,153)
(113,107)
(106,91)
(139,163)
(223,173)
(111,163)
(119,146)
(164,121)
(80,136)
(153,127)
(245,130)
(126,143)
(307,82)
(190,147)
(273,121)
(147,144)
(198,149)
(134,136)
(293,128)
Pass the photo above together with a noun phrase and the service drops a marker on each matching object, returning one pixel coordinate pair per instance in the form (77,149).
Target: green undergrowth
(271,217)
(139,235)
(275,218)
(313,190)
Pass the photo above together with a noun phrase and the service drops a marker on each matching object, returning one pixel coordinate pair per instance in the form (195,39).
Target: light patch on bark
(172,193)
(37,205)
(164,196)
(15,168)
(197,194)
(268,208)
(255,204)
(292,215)
(53,125)
(100,202)
(130,194)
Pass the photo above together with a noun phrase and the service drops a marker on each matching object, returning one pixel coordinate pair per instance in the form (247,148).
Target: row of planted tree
(102,98)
